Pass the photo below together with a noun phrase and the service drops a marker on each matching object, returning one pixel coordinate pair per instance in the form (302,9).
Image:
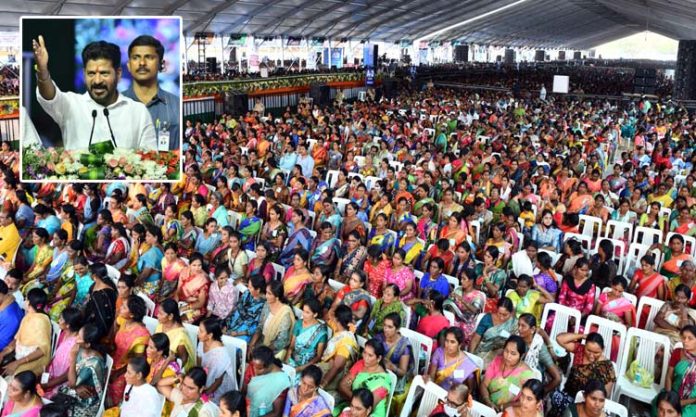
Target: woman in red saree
(192,293)
(647,282)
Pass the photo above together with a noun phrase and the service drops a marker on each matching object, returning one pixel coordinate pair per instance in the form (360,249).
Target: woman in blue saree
(217,210)
(309,337)
(304,399)
(300,237)
(11,315)
(250,226)
(244,319)
(326,250)
(150,263)
(209,239)
(380,235)
(265,389)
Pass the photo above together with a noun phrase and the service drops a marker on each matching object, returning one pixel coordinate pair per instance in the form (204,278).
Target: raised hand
(40,53)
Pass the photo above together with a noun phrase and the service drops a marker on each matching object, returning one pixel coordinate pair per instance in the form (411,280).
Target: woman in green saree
(63,290)
(506,374)
(309,337)
(367,373)
(681,374)
(390,303)
(493,330)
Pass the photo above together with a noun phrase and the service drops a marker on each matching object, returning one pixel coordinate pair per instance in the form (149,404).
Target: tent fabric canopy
(570,24)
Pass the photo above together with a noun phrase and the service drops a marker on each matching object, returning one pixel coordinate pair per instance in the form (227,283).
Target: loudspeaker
(236,103)
(561,55)
(646,72)
(539,55)
(375,56)
(577,55)
(461,53)
(211,64)
(389,88)
(320,94)
(510,56)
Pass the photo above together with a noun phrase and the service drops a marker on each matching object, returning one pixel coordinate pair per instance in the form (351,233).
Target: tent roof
(571,24)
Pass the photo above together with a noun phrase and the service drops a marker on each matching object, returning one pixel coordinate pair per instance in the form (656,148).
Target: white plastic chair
(422,346)
(555,256)
(619,251)
(607,329)
(561,319)
(453,282)
(647,236)
(336,285)
(407,314)
(619,230)
(341,204)
(279,271)
(476,225)
(635,252)
(585,241)
(330,400)
(109,365)
(481,410)
(332,178)
(360,160)
(55,335)
(192,333)
(588,225)
(450,317)
(476,359)
(113,273)
(151,324)
(311,143)
(648,343)
(371,181)
(655,306)
(3,391)
(234,218)
(290,372)
(432,394)
(149,304)
(394,381)
(689,242)
(235,344)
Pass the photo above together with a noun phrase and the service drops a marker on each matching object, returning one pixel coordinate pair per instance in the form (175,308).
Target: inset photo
(100,99)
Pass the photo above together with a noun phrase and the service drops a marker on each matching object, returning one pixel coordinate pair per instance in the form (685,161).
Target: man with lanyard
(125,122)
(145,61)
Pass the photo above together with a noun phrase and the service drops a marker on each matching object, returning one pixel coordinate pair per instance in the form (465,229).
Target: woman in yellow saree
(131,340)
(276,323)
(411,245)
(170,324)
(297,277)
(32,343)
(43,256)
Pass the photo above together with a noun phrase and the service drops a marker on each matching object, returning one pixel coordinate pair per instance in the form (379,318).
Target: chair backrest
(336,285)
(149,304)
(453,282)
(610,407)
(394,381)
(238,351)
(647,345)
(250,254)
(432,393)
(279,271)
(113,273)
(341,204)
(627,295)
(561,319)
(371,181)
(332,178)
(330,400)
(619,230)
(481,410)
(476,359)
(476,225)
(555,256)
(3,391)
(608,329)
(647,310)
(590,225)
(451,317)
(689,242)
(635,252)
(647,236)
(234,218)
(109,366)
(422,347)
(290,371)
(619,251)
(192,333)
(585,241)
(55,335)
(151,324)
(407,314)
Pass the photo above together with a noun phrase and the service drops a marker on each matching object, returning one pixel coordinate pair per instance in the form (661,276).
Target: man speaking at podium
(101,114)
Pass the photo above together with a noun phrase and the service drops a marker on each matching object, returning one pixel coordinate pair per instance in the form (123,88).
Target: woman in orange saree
(647,282)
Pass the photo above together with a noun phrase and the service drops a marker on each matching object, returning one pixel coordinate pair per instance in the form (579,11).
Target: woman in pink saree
(613,305)
(70,323)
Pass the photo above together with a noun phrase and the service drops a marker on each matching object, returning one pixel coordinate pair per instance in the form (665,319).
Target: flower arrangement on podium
(100,162)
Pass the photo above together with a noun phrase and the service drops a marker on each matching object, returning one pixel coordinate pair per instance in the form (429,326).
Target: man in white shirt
(101,114)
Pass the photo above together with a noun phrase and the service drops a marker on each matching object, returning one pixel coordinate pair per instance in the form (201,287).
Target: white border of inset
(182,45)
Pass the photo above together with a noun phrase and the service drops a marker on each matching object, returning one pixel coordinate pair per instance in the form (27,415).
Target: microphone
(106,114)
(94,119)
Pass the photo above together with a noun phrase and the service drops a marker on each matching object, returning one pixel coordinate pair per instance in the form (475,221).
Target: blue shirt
(440,285)
(51,223)
(165,108)
(307,164)
(10,318)
(288,161)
